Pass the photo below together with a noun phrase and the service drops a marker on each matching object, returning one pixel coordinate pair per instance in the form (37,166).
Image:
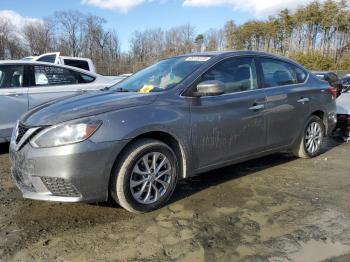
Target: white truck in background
(56,58)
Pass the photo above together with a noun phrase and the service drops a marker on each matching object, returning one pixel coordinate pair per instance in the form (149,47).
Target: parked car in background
(345,80)
(332,78)
(180,117)
(56,58)
(27,84)
(343,111)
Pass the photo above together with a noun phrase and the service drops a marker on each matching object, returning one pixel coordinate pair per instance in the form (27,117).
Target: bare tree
(72,25)
(5,32)
(39,36)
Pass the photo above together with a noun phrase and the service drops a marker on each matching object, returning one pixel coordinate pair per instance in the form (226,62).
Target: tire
(134,183)
(305,148)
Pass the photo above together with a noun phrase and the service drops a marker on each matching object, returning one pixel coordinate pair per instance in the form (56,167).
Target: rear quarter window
(86,78)
(300,74)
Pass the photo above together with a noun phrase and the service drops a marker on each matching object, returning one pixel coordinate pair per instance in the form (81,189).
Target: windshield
(163,75)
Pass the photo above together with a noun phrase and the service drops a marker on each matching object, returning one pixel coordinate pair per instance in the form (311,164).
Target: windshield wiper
(105,88)
(119,89)
(122,90)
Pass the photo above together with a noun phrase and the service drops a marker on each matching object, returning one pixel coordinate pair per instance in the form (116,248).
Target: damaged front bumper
(73,173)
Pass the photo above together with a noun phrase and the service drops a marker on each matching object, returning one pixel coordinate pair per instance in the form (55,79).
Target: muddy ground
(276,208)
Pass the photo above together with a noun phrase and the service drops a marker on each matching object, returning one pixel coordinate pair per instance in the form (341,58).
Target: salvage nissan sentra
(180,117)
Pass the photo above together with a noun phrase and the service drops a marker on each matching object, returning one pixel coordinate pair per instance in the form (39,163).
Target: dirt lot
(276,208)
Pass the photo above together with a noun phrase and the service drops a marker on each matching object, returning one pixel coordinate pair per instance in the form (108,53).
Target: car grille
(21,130)
(60,187)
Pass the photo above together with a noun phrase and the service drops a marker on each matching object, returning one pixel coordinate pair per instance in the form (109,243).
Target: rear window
(48,59)
(346,80)
(277,73)
(82,64)
(281,73)
(333,77)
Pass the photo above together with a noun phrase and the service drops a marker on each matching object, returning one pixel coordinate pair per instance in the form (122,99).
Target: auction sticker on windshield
(198,58)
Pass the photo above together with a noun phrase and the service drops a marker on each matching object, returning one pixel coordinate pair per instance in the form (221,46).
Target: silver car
(24,85)
(180,117)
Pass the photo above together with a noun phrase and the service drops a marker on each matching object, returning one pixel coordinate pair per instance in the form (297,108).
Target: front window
(236,74)
(163,75)
(11,76)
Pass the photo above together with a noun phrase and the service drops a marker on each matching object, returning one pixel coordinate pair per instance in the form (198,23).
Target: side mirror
(210,88)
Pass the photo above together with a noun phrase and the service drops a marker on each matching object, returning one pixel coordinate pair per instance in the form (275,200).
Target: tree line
(317,35)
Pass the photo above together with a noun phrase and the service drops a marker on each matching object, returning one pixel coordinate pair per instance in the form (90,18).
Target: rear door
(52,82)
(231,125)
(13,97)
(287,100)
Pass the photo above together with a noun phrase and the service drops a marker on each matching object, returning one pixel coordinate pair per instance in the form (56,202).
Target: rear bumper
(331,123)
(74,173)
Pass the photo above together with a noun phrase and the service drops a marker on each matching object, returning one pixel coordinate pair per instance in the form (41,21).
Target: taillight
(333,92)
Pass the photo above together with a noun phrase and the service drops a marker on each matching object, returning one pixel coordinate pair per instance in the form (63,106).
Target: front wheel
(145,177)
(312,139)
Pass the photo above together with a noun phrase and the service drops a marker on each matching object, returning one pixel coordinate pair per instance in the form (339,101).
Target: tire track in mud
(277,208)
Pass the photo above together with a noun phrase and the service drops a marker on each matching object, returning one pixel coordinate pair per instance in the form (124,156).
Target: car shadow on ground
(4,148)
(193,185)
(196,184)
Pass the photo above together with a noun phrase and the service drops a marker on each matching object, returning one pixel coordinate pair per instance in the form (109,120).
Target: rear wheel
(145,177)
(312,139)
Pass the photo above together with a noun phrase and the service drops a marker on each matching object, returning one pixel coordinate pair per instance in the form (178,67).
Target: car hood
(343,104)
(91,104)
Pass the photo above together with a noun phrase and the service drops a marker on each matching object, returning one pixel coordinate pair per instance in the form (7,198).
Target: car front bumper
(73,173)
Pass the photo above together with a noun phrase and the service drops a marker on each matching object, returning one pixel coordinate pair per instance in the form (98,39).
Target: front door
(13,98)
(232,125)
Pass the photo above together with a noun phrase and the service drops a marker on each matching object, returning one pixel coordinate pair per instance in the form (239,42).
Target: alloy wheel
(151,178)
(313,137)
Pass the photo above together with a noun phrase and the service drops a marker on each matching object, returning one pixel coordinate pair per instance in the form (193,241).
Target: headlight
(65,134)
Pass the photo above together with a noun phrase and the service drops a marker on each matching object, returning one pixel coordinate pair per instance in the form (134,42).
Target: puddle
(314,251)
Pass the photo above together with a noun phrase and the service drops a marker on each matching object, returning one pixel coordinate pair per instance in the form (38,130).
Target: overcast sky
(127,16)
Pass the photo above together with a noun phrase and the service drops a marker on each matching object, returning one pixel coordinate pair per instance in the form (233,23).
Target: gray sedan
(24,85)
(180,117)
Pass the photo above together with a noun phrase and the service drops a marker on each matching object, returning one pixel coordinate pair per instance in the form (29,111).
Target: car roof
(224,54)
(75,58)
(30,62)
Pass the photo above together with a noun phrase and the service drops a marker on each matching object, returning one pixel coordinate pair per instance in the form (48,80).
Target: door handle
(257,107)
(304,100)
(15,94)
(82,90)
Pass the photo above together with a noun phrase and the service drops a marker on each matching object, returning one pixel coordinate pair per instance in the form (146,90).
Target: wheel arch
(169,140)
(321,114)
